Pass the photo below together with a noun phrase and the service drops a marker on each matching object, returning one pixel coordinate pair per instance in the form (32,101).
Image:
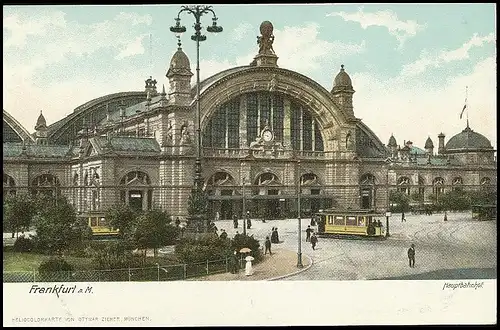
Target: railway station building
(268,134)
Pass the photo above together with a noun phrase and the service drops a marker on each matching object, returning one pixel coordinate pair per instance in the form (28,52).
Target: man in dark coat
(411,256)
(235,221)
(314,241)
(177,222)
(267,245)
(308,233)
(223,235)
(233,263)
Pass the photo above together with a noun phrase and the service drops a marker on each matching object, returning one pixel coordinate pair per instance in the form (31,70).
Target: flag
(461,113)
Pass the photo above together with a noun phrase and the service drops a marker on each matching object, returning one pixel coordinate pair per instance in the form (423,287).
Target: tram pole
(299,232)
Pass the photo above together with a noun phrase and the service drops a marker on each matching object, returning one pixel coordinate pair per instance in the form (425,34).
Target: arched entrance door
(267,184)
(136,190)
(367,182)
(220,188)
(311,187)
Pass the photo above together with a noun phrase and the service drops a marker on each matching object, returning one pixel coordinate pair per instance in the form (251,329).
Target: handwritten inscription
(464,285)
(59,289)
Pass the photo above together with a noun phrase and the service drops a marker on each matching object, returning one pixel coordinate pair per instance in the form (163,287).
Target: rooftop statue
(265,41)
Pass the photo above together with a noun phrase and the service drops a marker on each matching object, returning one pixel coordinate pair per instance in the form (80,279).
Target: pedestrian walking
(233,263)
(314,241)
(267,245)
(411,256)
(217,216)
(235,221)
(223,234)
(177,222)
(249,223)
(308,233)
(403,217)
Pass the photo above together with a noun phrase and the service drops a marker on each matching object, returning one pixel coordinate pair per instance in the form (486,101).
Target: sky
(412,66)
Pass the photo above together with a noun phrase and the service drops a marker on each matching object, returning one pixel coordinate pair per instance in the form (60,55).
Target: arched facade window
(9,185)
(46,184)
(404,185)
(367,186)
(136,191)
(220,183)
(457,183)
(438,186)
(252,112)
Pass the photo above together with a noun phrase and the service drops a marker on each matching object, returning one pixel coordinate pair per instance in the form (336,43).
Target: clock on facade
(267,135)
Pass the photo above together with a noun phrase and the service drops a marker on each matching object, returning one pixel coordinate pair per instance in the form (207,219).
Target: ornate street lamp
(197,11)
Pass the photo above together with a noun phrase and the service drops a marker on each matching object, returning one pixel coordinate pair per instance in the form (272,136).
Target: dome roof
(40,122)
(342,79)
(179,64)
(468,139)
(428,143)
(392,141)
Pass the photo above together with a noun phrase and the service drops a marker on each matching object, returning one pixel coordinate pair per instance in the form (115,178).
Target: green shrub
(244,241)
(55,264)
(208,247)
(23,244)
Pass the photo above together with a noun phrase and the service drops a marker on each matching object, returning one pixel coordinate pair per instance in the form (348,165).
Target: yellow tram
(349,223)
(99,225)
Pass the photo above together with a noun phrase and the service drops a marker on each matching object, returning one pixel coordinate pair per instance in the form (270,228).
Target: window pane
(318,139)
(233,124)
(295,126)
(251,117)
(307,131)
(278,114)
(265,109)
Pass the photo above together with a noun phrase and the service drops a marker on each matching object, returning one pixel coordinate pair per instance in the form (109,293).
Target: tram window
(93,221)
(339,220)
(351,221)
(102,222)
(361,221)
(330,220)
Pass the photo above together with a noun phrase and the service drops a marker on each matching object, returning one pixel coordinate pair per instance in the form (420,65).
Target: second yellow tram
(350,224)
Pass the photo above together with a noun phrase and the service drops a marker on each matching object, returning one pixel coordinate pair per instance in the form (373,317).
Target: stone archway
(329,116)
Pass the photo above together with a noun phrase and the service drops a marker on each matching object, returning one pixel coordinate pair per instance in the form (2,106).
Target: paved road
(441,247)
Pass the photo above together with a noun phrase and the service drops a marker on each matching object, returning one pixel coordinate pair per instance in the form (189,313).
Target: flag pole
(466,104)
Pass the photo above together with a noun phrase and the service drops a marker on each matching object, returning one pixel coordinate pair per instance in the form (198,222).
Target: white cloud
(415,112)
(66,38)
(133,48)
(298,48)
(52,39)
(427,60)
(21,29)
(241,31)
(402,30)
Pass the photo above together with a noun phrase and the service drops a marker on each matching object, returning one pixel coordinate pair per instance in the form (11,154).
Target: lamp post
(197,11)
(244,211)
(299,245)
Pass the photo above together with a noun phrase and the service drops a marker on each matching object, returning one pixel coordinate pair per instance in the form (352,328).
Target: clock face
(267,135)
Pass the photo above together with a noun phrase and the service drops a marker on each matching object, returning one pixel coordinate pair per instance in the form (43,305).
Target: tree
(18,212)
(58,228)
(122,218)
(401,200)
(153,230)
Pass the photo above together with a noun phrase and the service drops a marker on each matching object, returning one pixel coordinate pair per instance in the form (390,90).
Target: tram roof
(349,211)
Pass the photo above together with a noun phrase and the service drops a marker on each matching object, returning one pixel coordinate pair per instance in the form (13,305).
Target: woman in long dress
(248,266)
